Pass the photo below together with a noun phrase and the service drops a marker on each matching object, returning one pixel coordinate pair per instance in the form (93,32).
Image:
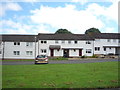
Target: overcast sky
(36,16)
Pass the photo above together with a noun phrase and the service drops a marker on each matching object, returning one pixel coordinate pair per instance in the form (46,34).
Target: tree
(62,31)
(92,30)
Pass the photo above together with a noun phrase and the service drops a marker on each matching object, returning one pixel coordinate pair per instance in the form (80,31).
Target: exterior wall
(10,48)
(81,44)
(103,42)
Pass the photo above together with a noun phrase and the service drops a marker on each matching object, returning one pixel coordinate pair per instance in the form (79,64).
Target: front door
(66,53)
(80,52)
(51,52)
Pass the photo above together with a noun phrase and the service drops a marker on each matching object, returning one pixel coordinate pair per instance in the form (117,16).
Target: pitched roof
(44,36)
(106,35)
(65,36)
(15,37)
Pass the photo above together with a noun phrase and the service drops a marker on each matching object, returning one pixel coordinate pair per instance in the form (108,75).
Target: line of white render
(55,45)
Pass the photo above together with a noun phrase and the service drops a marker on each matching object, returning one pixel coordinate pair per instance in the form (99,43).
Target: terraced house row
(55,45)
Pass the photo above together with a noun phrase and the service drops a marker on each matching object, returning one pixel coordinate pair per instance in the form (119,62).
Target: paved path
(58,61)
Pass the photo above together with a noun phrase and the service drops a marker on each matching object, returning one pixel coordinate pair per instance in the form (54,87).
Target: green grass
(86,75)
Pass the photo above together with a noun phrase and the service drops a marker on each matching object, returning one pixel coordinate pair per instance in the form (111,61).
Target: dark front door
(80,52)
(66,53)
(52,52)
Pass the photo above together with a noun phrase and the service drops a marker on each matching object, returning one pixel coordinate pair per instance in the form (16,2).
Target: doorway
(66,53)
(80,52)
(51,52)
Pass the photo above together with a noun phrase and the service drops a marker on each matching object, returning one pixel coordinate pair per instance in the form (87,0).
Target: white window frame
(56,41)
(88,50)
(69,41)
(88,42)
(16,43)
(108,40)
(29,52)
(63,41)
(29,44)
(43,51)
(16,52)
(97,48)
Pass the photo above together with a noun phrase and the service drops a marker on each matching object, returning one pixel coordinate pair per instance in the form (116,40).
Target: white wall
(10,48)
(103,42)
(81,44)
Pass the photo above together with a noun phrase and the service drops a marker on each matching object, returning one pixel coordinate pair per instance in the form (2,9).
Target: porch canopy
(72,48)
(54,47)
(111,46)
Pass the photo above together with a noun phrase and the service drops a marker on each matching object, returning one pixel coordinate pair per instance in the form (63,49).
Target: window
(88,42)
(88,50)
(16,43)
(16,52)
(29,43)
(29,53)
(0,52)
(108,40)
(110,48)
(56,41)
(97,40)
(119,41)
(75,42)
(43,50)
(97,48)
(114,40)
(69,41)
(63,41)
(43,41)
(104,48)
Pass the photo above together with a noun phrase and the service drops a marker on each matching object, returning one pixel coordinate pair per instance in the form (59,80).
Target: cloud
(66,17)
(9,6)
(11,27)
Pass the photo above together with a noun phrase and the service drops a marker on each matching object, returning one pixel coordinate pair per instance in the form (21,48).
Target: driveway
(59,61)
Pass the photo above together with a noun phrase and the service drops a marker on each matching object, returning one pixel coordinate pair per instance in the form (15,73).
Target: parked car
(41,59)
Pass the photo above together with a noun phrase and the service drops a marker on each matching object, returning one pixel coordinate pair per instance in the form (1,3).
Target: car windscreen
(41,56)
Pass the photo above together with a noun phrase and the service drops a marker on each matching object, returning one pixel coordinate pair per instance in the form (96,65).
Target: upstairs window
(114,40)
(108,40)
(44,42)
(29,43)
(16,43)
(16,52)
(63,41)
(119,41)
(56,41)
(97,40)
(69,42)
(97,48)
(75,42)
(88,42)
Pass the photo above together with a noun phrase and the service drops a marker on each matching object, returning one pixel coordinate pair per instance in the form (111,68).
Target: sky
(47,16)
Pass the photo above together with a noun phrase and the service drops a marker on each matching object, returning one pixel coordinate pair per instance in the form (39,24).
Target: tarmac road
(59,61)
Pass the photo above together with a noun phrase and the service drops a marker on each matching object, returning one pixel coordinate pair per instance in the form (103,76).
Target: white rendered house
(55,45)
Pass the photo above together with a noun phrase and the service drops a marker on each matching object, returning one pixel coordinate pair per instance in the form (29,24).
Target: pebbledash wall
(55,45)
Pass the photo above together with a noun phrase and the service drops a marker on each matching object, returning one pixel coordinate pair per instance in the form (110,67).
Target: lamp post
(35,47)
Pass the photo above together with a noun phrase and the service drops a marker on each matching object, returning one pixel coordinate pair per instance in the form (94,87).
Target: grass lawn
(85,75)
